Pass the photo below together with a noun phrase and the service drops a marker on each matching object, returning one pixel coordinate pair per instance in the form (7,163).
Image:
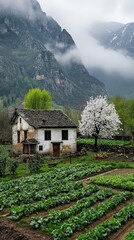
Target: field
(107,142)
(81,201)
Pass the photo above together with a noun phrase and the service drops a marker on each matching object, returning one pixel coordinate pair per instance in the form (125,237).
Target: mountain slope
(123,39)
(32,52)
(104,31)
(119,37)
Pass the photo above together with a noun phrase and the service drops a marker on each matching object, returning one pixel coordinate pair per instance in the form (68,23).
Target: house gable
(22,129)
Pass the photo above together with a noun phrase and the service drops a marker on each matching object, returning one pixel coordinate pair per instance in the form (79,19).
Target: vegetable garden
(70,202)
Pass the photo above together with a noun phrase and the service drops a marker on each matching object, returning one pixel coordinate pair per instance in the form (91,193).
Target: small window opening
(18,136)
(64,134)
(40,148)
(48,135)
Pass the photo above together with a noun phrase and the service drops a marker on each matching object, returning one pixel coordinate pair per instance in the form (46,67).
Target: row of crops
(88,203)
(130,236)
(18,212)
(125,182)
(106,228)
(68,173)
(77,221)
(42,191)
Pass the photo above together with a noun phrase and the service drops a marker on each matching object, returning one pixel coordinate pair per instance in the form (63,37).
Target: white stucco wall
(66,146)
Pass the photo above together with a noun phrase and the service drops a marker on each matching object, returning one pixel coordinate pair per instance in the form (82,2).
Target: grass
(22,170)
(108,142)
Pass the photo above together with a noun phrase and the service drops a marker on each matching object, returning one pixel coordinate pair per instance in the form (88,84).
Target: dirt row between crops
(121,171)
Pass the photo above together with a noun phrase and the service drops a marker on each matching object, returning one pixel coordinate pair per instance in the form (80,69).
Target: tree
(122,108)
(38,99)
(72,113)
(99,119)
(5,127)
(125,109)
(130,116)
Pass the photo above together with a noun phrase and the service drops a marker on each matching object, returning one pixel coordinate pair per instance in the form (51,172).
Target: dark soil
(10,231)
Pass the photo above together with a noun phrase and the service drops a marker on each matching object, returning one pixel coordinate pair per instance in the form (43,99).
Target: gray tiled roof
(44,118)
(30,141)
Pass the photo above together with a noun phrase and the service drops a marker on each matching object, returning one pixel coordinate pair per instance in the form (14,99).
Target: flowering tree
(99,119)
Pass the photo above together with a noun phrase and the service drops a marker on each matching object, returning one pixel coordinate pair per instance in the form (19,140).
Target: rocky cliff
(36,52)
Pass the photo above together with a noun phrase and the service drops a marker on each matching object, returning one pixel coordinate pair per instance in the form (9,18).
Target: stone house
(43,131)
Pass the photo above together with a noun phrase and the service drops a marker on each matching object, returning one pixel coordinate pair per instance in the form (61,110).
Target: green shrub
(34,165)
(2,164)
(13,166)
(4,153)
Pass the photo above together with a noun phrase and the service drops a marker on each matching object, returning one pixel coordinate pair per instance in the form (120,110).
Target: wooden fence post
(70,159)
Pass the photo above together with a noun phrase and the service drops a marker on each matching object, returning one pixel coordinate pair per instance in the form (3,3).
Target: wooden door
(32,149)
(56,149)
(26,149)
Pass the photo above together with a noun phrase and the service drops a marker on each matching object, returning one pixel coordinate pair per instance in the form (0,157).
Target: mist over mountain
(120,38)
(123,39)
(103,31)
(36,52)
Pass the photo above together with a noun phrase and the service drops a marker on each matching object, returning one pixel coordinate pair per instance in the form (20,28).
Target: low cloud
(20,7)
(110,61)
(64,57)
(70,56)
(76,16)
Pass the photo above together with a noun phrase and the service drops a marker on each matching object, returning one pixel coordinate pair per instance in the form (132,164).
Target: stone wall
(112,148)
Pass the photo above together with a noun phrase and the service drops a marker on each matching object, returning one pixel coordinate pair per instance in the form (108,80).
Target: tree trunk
(95,144)
(132,138)
(133,141)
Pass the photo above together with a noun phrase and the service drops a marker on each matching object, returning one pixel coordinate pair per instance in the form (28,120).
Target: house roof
(31,141)
(44,118)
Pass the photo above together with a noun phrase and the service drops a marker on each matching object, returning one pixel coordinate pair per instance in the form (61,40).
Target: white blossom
(99,118)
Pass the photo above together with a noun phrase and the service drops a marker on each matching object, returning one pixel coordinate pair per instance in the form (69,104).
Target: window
(40,148)
(64,134)
(25,134)
(20,120)
(48,135)
(18,136)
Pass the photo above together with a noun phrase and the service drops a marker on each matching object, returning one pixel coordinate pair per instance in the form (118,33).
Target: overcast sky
(77,15)
(75,12)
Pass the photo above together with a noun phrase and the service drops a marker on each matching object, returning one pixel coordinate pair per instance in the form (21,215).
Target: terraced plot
(59,205)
